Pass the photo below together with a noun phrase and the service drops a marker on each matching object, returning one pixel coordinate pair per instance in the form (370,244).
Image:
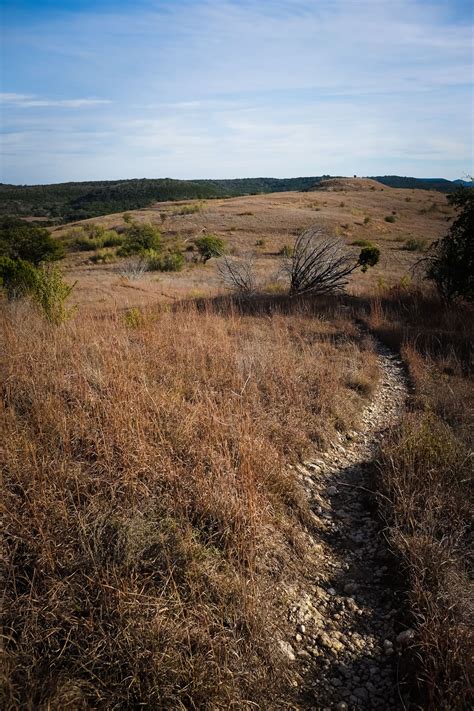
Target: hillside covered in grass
(66,202)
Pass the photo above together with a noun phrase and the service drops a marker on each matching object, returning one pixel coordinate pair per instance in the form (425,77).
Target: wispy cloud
(29,101)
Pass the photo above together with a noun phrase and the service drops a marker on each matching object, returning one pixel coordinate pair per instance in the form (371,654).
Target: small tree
(321,264)
(209,246)
(30,243)
(451,262)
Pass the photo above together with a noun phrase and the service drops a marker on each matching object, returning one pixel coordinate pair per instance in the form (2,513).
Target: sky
(109,89)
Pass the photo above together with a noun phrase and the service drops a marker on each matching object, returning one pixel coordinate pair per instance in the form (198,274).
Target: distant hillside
(397,181)
(76,201)
(66,202)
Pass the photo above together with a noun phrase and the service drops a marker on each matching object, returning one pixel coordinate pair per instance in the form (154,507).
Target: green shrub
(30,243)
(127,217)
(88,238)
(188,209)
(209,246)
(140,238)
(51,292)
(112,239)
(85,244)
(389,218)
(286,251)
(17,277)
(133,317)
(44,285)
(102,258)
(93,230)
(260,243)
(366,220)
(168,262)
(415,245)
(369,257)
(362,243)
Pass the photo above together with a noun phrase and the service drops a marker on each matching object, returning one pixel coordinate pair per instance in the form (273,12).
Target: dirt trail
(344,642)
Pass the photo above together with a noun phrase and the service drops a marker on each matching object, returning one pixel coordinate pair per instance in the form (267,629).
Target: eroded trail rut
(344,642)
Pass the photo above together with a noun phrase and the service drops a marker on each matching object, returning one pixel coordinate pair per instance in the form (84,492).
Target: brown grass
(150,516)
(426,471)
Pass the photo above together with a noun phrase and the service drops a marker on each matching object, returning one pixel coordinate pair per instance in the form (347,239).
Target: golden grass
(150,515)
(426,472)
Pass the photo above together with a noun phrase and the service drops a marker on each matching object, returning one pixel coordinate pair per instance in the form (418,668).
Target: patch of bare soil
(345,642)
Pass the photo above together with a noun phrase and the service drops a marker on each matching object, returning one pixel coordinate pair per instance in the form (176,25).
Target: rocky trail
(346,642)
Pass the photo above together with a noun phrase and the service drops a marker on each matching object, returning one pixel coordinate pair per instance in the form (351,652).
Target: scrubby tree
(30,243)
(451,262)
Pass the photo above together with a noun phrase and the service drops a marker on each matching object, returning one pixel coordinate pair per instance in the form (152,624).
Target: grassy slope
(264,224)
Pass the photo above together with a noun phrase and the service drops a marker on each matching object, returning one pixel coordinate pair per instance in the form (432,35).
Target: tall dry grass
(426,473)
(150,516)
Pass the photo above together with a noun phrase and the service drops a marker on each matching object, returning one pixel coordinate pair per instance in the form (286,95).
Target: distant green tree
(451,263)
(209,246)
(21,240)
(140,238)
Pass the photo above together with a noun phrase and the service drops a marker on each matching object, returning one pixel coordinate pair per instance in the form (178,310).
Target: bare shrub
(322,265)
(238,274)
(133,268)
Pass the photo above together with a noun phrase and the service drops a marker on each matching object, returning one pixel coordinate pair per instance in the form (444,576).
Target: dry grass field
(154,518)
(151,516)
(352,209)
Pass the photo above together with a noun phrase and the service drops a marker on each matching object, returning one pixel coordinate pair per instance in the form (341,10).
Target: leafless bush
(320,264)
(133,268)
(239,274)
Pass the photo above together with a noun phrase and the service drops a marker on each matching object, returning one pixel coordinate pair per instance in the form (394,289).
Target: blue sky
(235,88)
